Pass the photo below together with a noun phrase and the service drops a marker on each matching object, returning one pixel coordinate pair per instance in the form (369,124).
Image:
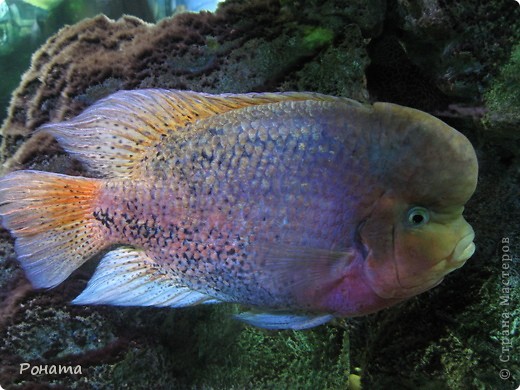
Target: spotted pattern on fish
(215,222)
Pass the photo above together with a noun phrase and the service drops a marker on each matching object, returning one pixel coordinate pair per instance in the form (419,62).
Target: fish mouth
(463,250)
(432,277)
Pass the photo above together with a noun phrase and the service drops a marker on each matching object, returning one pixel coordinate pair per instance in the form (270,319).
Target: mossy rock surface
(502,120)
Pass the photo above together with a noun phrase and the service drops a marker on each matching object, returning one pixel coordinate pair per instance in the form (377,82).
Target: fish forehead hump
(427,161)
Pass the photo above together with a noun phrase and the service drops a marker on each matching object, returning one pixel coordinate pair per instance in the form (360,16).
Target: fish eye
(418,216)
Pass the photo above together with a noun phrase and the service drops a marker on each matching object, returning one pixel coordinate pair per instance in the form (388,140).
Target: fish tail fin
(51,217)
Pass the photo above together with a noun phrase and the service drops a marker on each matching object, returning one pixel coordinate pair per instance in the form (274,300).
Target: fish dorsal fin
(129,277)
(111,137)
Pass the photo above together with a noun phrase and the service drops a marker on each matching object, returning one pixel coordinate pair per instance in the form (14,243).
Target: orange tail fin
(50,215)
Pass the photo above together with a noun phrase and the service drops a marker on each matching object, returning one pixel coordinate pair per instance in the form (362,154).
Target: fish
(301,207)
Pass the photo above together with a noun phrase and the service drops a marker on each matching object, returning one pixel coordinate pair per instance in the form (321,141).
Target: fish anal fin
(129,277)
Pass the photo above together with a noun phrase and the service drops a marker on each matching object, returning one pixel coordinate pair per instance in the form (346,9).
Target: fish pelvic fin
(51,217)
(283,320)
(112,137)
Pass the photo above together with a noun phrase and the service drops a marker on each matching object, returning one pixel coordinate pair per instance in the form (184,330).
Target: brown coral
(223,52)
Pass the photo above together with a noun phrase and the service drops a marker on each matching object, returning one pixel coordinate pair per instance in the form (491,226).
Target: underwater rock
(451,48)
(347,58)
(245,46)
(451,40)
(502,119)
(335,14)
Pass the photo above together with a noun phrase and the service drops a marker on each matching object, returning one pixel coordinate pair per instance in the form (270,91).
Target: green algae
(316,37)
(216,351)
(205,348)
(339,69)
(294,359)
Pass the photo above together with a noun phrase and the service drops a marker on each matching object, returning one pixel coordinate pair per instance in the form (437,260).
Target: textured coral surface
(442,57)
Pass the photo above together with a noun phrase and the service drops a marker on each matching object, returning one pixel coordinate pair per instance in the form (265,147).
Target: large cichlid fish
(304,206)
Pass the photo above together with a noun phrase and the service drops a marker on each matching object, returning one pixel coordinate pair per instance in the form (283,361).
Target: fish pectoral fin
(129,277)
(113,136)
(283,320)
(301,269)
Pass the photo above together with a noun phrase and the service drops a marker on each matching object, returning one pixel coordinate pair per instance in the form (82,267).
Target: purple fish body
(304,206)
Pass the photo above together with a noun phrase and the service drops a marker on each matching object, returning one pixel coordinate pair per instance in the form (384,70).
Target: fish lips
(463,250)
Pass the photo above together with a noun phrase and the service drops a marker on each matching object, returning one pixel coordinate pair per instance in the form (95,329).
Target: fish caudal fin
(50,215)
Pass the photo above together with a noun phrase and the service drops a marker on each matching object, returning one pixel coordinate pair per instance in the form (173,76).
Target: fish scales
(209,194)
(304,206)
